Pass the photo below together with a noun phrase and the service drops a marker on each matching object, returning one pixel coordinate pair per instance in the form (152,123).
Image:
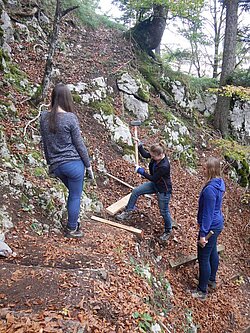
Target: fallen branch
(25,14)
(136,231)
(66,11)
(34,119)
(120,67)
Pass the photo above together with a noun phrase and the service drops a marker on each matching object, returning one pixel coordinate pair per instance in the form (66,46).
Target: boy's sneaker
(125,215)
(165,236)
(199,294)
(73,233)
(212,284)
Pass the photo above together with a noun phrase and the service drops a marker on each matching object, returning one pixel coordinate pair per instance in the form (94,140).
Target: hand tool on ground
(207,238)
(136,123)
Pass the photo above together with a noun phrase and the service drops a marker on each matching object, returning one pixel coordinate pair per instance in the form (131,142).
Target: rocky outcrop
(205,103)
(96,90)
(135,95)
(7,30)
(240,121)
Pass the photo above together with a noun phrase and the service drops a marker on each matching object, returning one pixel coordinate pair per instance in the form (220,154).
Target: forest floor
(98,283)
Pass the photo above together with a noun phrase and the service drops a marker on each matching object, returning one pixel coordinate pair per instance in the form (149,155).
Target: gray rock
(4,151)
(119,130)
(5,250)
(136,106)
(20,146)
(8,31)
(23,30)
(4,179)
(96,90)
(32,161)
(127,84)
(240,121)
(17,179)
(5,219)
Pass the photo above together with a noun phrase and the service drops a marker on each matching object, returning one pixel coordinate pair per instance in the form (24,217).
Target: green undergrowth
(160,76)
(238,157)
(86,13)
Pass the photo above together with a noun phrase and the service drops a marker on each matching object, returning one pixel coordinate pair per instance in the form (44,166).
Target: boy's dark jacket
(210,202)
(159,172)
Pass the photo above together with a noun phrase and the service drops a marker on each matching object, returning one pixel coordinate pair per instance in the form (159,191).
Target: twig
(25,100)
(165,327)
(123,65)
(38,45)
(34,119)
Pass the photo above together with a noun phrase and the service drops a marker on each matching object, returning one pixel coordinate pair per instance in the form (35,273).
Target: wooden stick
(138,232)
(119,180)
(136,147)
(186,259)
(126,184)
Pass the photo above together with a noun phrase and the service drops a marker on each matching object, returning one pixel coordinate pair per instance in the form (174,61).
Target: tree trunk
(216,58)
(52,48)
(228,65)
(158,49)
(148,33)
(41,95)
(217,36)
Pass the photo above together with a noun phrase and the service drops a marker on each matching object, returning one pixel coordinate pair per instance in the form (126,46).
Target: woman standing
(159,183)
(65,152)
(210,218)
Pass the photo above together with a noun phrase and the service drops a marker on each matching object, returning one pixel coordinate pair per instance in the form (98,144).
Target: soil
(94,284)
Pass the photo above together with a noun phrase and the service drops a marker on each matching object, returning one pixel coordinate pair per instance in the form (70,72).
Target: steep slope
(109,281)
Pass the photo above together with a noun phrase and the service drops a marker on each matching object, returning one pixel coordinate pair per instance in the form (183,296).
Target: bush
(240,77)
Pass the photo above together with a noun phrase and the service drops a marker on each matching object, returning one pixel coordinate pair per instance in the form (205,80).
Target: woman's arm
(79,143)
(42,142)
(206,219)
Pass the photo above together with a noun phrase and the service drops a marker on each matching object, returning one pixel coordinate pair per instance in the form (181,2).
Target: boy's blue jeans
(163,201)
(72,175)
(208,261)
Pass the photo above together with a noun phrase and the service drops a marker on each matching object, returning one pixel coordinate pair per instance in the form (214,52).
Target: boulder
(240,121)
(136,106)
(119,130)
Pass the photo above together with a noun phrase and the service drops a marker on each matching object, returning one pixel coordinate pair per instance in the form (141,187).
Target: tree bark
(217,36)
(52,47)
(49,62)
(148,33)
(228,65)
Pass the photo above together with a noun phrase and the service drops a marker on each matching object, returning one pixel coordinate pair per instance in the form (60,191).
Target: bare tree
(59,14)
(218,18)
(228,65)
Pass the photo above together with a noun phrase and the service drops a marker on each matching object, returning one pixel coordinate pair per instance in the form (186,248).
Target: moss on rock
(239,158)
(106,106)
(76,98)
(143,95)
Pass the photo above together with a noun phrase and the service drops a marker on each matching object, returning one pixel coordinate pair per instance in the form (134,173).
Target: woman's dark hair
(159,148)
(60,97)
(213,168)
